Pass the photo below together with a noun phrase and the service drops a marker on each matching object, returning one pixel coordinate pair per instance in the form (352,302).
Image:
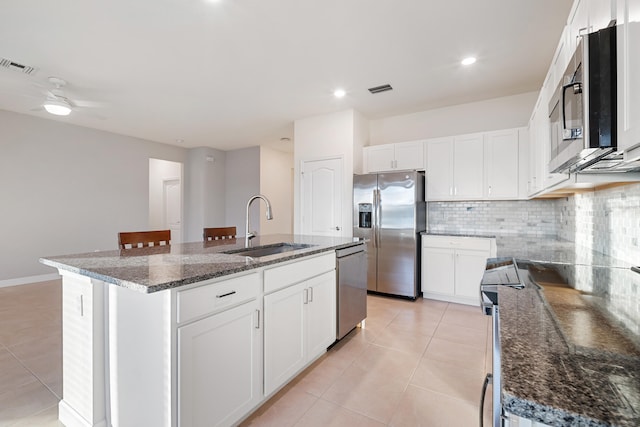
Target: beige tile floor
(416,363)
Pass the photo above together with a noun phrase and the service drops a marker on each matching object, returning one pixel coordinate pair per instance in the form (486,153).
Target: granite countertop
(571,357)
(164,267)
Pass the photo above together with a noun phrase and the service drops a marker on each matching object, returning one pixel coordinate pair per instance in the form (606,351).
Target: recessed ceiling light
(339,93)
(468,60)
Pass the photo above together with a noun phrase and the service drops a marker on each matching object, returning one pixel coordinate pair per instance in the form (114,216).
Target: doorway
(165,197)
(321,197)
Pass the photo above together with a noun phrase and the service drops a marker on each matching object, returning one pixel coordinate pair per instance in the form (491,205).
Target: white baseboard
(29,279)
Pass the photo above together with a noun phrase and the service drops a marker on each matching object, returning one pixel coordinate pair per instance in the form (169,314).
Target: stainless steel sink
(276,248)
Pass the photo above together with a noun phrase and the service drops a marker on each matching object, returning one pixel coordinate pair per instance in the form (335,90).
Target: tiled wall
(531,217)
(607,221)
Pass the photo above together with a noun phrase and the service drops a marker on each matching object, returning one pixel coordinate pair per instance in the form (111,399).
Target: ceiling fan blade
(90,104)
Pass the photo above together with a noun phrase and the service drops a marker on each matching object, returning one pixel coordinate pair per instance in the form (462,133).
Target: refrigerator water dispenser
(364,215)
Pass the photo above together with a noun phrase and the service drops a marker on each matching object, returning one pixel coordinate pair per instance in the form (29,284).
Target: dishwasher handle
(343,252)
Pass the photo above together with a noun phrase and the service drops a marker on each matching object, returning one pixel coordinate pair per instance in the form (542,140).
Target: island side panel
(83,352)
(141,354)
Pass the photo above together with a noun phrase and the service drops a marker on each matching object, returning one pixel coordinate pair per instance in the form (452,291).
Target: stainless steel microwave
(582,110)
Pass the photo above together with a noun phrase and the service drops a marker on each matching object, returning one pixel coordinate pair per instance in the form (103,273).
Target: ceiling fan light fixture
(57,107)
(468,60)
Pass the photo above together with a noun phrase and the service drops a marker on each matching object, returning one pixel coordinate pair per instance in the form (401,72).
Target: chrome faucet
(249,234)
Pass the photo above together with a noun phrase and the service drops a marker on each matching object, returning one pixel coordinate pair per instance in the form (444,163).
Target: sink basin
(276,248)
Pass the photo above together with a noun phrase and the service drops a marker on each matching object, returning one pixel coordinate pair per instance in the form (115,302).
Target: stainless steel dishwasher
(351,269)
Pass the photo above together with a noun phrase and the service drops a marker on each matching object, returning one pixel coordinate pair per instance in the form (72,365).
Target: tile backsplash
(530,217)
(607,221)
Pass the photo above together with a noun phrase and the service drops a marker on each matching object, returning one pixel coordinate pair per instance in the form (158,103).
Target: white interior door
(172,213)
(321,197)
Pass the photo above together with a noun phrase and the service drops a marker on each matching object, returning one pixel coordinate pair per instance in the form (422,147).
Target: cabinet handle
(257,319)
(305,296)
(226,295)
(310,294)
(489,190)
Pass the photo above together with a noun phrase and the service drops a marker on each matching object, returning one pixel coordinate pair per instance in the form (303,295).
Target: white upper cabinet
(439,172)
(481,166)
(501,164)
(600,14)
(455,168)
(628,40)
(578,23)
(389,157)
(468,167)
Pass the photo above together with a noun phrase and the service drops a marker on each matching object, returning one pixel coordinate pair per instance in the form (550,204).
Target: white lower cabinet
(220,367)
(452,267)
(300,323)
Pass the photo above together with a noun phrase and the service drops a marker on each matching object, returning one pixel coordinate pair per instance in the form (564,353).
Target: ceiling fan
(57,103)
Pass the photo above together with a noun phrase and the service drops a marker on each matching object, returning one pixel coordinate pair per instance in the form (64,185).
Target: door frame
(345,220)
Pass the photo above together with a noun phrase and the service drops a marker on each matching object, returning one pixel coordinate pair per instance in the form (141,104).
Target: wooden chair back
(136,239)
(218,233)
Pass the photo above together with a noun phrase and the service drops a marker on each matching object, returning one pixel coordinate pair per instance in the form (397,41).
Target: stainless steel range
(498,272)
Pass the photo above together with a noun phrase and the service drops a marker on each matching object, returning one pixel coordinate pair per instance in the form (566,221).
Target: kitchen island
(192,334)
(571,338)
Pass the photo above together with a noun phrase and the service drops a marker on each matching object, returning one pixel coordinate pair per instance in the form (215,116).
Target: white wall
(67,189)
(499,113)
(159,172)
(205,191)
(242,175)
(321,137)
(276,183)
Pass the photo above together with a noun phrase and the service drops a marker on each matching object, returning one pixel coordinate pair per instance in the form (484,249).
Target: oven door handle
(487,380)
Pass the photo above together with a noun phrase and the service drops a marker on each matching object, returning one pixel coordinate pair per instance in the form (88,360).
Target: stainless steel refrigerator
(389,212)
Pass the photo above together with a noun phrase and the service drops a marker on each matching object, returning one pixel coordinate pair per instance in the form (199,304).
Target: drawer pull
(226,295)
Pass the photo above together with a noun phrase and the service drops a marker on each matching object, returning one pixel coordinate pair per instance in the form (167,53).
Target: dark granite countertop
(164,267)
(570,345)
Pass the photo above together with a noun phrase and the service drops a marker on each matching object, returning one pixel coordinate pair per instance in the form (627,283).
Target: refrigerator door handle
(378,217)
(374,220)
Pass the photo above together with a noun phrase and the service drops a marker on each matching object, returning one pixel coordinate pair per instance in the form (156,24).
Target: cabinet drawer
(289,274)
(217,296)
(453,242)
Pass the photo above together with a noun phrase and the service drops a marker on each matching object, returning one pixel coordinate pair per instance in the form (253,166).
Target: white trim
(29,279)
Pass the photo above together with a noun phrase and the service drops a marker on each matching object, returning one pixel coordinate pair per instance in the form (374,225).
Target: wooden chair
(143,239)
(218,233)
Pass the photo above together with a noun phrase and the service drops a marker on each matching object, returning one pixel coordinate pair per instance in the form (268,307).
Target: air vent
(21,68)
(379,89)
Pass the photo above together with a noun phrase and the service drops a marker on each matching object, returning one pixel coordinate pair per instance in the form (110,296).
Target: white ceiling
(237,73)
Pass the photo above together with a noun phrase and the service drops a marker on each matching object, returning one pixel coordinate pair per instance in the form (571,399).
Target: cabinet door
(409,155)
(578,23)
(501,164)
(628,41)
(468,167)
(321,314)
(219,367)
(284,331)
(599,14)
(439,170)
(378,158)
(438,271)
(470,265)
